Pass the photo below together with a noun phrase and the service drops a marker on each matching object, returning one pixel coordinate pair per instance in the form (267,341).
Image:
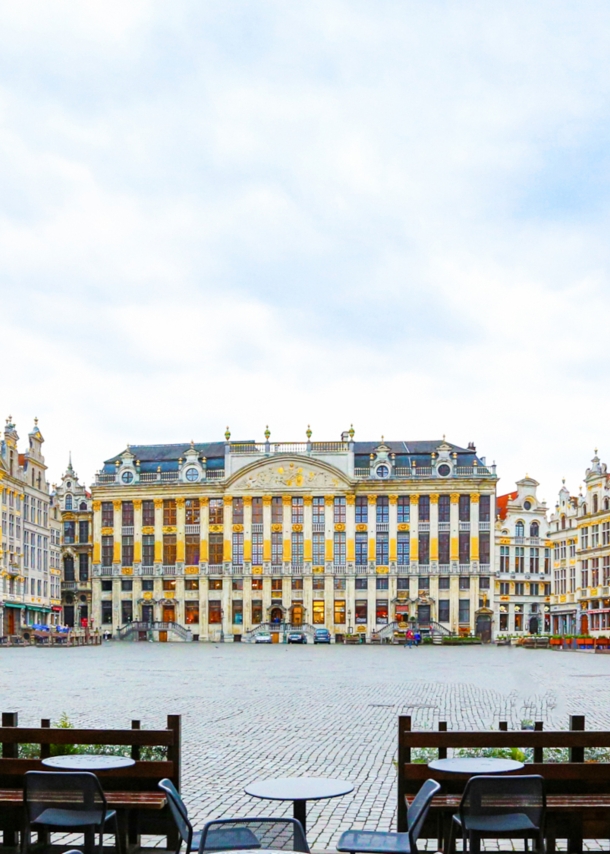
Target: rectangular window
(382,549)
(83,531)
(148,549)
(339,510)
(504,588)
(381,612)
(339,612)
(519,559)
(238,511)
(318,549)
(277,585)
(126,611)
(215,584)
(443,611)
(214,612)
(423,582)
(361,548)
(318,582)
(485,508)
(534,589)
(127,551)
(339,583)
(403,509)
(317,509)
(361,612)
(464,508)
(148,584)
(383,510)
(362,583)
(464,583)
(606,570)
(464,546)
(444,546)
(444,582)
(402,583)
(191,612)
(257,583)
(534,560)
(257,611)
(257,512)
(216,511)
(237,610)
(519,588)
(107,550)
(237,549)
(191,555)
(484,548)
(318,612)
(277,510)
(148,513)
(127,514)
(403,547)
(169,549)
(107,514)
(296,583)
(297,511)
(191,584)
(296,545)
(606,534)
(444,508)
(594,537)
(484,582)
(339,548)
(169,511)
(584,538)
(424,508)
(464,611)
(382,583)
(424,548)
(504,558)
(362,509)
(277,547)
(83,567)
(192,512)
(595,572)
(257,549)
(216,549)
(169,585)
(69,532)
(106,612)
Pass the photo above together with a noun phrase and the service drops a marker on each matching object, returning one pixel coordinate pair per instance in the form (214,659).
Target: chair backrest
(418,810)
(498,795)
(73,790)
(178,811)
(236,833)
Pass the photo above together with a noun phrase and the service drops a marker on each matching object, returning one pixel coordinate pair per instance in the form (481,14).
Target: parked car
(321,636)
(263,637)
(297,637)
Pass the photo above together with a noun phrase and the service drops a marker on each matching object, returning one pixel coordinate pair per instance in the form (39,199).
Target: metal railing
(192,529)
(128,629)
(127,531)
(464,526)
(423,526)
(444,526)
(484,526)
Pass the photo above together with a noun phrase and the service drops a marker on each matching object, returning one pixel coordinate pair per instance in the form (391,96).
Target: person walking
(409,638)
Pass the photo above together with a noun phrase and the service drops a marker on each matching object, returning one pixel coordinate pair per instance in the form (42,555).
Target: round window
(444,470)
(382,471)
(69,485)
(127,476)
(527,505)
(192,474)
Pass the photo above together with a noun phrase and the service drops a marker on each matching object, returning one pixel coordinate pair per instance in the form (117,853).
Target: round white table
(299,790)
(475,765)
(87,762)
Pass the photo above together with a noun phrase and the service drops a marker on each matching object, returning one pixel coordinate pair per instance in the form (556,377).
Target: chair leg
(117,836)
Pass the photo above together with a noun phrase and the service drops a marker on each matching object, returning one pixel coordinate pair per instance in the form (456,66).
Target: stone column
(247,499)
(96,526)
(372,527)
(307,531)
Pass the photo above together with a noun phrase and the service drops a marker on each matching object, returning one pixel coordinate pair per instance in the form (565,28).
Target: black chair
(381,842)
(67,801)
(192,838)
(236,833)
(494,807)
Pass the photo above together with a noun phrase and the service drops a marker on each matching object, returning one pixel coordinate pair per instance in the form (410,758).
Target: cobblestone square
(269,711)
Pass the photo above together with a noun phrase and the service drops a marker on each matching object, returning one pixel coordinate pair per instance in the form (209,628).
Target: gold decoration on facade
(393,499)
(247,499)
(505,541)
(257,570)
(96,506)
(228,500)
(238,528)
(403,526)
(414,498)
(107,532)
(455,497)
(117,504)
(308,500)
(191,570)
(297,527)
(474,497)
(68,517)
(317,570)
(339,526)
(383,570)
(180,502)
(350,498)
(361,526)
(216,529)
(158,503)
(434,498)
(147,594)
(267,500)
(270,475)
(286,499)
(204,501)
(127,570)
(169,529)
(148,529)
(137,503)
(372,499)
(329,500)
(276,527)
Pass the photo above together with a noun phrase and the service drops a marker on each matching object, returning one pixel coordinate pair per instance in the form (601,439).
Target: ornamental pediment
(287,473)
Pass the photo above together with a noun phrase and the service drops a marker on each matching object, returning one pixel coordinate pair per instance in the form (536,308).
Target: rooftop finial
(267,432)
(227,434)
(351,431)
(36,424)
(192,445)
(308,432)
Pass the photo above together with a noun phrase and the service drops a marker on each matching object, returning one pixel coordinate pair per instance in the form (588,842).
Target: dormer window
(127,476)
(68,502)
(382,471)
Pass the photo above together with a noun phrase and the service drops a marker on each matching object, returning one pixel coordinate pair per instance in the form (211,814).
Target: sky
(393,215)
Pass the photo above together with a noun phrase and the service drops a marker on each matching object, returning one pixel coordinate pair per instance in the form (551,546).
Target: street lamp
(222,620)
(349,621)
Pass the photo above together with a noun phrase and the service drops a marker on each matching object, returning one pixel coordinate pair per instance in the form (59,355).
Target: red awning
(402,609)
(55,607)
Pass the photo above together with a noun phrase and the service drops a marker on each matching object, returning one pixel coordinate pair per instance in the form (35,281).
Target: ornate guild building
(224,539)
(76,549)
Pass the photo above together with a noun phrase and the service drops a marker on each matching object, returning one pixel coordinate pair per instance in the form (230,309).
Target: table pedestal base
(300,813)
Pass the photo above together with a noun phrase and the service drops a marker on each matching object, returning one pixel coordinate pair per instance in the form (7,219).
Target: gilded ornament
(318,570)
(455,497)
(216,529)
(434,498)
(276,527)
(228,500)
(107,532)
(169,529)
(329,500)
(474,497)
(383,570)
(117,504)
(393,499)
(191,570)
(414,498)
(350,499)
(403,526)
(286,499)
(257,570)
(297,527)
(148,529)
(127,570)
(372,499)
(137,503)
(308,500)
(361,526)
(180,502)
(158,503)
(267,500)
(339,526)
(247,499)
(147,594)
(238,528)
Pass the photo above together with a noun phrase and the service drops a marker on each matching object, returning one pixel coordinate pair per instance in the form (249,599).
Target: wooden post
(174,751)
(135,748)
(442,751)
(404,756)
(577,723)
(503,726)
(45,749)
(10,751)
(538,751)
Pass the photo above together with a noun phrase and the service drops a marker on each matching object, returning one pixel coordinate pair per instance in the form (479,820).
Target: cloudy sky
(392,214)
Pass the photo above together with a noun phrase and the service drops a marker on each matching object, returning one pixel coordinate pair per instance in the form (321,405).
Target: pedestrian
(417,638)
(409,637)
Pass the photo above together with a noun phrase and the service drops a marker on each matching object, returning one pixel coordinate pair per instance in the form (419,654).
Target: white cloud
(391,214)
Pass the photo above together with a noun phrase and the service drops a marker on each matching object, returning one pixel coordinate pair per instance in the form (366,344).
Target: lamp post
(222,620)
(349,621)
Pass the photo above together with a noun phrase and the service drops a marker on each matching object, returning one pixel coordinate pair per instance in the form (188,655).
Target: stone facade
(223,538)
(74,502)
(563,535)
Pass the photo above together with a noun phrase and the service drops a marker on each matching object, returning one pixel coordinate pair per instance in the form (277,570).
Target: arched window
(83,505)
(519,529)
(68,502)
(606,504)
(563,523)
(595,504)
(584,509)
(534,529)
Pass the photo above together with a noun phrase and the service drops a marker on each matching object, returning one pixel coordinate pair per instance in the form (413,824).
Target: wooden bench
(133,791)
(578,791)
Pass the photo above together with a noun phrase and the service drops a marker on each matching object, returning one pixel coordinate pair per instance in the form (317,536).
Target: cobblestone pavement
(268,711)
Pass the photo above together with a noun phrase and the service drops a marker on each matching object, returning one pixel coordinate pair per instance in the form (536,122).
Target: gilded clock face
(192,474)
(127,476)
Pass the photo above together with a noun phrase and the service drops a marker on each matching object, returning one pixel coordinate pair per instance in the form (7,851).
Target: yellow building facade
(225,540)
